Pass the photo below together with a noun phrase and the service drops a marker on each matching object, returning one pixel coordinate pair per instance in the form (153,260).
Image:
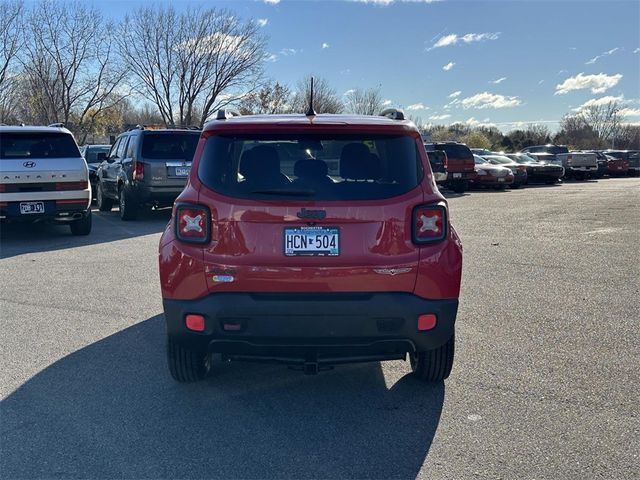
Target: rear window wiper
(282,191)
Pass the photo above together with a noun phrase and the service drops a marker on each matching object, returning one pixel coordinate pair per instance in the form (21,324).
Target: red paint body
(247,235)
(617,166)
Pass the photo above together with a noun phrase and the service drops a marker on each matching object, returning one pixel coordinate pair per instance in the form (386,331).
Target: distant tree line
(65,62)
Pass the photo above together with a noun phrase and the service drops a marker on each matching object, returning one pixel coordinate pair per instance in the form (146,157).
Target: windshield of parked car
(498,159)
(19,145)
(170,145)
(323,167)
(91,152)
(522,158)
(479,160)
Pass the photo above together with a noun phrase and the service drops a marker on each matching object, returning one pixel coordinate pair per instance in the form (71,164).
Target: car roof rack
(57,125)
(392,113)
(225,114)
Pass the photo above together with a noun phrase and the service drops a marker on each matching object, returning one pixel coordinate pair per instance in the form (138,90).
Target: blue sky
(510,61)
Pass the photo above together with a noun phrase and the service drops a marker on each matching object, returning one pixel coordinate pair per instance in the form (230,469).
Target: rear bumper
(156,194)
(458,176)
(491,180)
(325,327)
(54,211)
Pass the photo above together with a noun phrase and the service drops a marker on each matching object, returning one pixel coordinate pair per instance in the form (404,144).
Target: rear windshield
(316,167)
(37,145)
(170,146)
(91,153)
(454,150)
(556,150)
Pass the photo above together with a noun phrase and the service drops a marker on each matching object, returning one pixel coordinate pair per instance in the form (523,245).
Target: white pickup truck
(43,177)
(579,165)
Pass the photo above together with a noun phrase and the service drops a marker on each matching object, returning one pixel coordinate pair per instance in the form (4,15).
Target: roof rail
(57,125)
(392,113)
(226,113)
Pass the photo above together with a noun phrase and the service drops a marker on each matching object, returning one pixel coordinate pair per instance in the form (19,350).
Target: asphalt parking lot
(545,383)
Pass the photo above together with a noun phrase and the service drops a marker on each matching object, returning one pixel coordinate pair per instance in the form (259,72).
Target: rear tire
(104,204)
(81,226)
(459,187)
(434,365)
(128,206)
(187,365)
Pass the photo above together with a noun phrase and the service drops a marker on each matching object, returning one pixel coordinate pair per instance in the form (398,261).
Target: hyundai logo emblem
(29,164)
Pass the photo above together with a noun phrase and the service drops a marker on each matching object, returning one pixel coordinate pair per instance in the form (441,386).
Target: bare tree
(11,38)
(602,119)
(325,98)
(364,102)
(271,98)
(192,63)
(69,65)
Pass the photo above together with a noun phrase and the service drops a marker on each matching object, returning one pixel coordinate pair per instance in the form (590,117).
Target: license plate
(457,175)
(27,208)
(619,168)
(501,179)
(182,171)
(312,241)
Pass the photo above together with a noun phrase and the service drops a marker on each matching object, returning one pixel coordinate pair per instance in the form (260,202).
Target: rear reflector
(194,322)
(427,321)
(192,223)
(83,185)
(74,201)
(138,171)
(429,223)
(232,327)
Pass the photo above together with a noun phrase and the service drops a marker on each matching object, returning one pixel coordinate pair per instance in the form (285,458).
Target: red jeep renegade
(310,240)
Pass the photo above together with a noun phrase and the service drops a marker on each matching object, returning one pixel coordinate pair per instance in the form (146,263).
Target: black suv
(145,167)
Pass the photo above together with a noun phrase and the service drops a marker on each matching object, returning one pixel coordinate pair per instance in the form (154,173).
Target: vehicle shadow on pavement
(110,410)
(21,238)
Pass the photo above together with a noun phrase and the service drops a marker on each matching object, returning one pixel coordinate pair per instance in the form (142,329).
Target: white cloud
(271,57)
(453,39)
(448,66)
(490,100)
(417,106)
(599,83)
(597,102)
(629,112)
(439,117)
(499,80)
(325,45)
(386,103)
(472,122)
(349,92)
(597,57)
(540,82)
(272,2)
(288,51)
(455,94)
(637,50)
(262,22)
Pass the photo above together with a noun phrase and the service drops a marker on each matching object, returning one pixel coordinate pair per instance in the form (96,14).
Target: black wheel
(516,186)
(104,204)
(550,182)
(81,226)
(186,365)
(459,187)
(128,206)
(434,365)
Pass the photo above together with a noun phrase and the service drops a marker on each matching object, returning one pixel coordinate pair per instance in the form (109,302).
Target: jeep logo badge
(29,164)
(316,214)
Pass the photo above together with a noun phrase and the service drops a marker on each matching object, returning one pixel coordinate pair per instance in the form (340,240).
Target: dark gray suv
(145,167)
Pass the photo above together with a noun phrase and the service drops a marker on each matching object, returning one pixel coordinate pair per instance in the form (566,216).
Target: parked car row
(537,164)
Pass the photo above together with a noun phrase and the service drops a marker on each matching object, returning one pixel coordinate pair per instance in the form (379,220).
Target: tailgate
(579,159)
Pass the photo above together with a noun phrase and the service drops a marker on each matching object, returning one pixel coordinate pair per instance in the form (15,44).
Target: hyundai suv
(145,167)
(310,240)
(43,177)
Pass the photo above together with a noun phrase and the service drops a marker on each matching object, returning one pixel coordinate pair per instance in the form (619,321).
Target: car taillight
(569,159)
(429,223)
(192,223)
(138,171)
(3,188)
(83,185)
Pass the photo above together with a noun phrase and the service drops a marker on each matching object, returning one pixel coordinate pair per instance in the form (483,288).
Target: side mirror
(111,159)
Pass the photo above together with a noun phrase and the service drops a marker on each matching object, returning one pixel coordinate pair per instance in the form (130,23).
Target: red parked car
(490,175)
(617,166)
(459,165)
(310,240)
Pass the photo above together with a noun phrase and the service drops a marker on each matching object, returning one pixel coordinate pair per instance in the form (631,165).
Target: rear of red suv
(311,241)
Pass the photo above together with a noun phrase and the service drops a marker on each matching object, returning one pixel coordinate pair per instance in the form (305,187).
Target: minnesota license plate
(501,179)
(27,208)
(457,175)
(182,171)
(312,241)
